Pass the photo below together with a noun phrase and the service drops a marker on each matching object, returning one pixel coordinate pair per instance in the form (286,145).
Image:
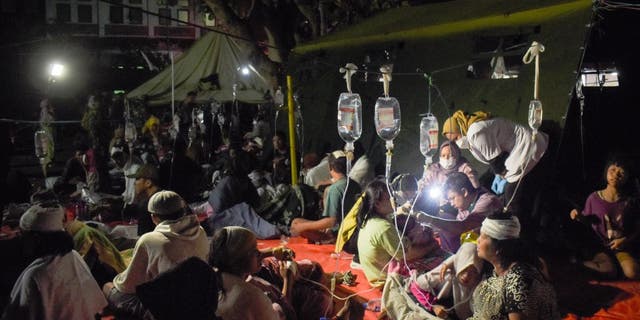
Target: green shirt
(333,203)
(377,244)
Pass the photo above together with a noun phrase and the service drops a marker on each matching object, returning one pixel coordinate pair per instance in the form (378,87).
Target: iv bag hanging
(387,118)
(429,136)
(41,141)
(387,110)
(349,117)
(349,110)
(535,114)
(130,132)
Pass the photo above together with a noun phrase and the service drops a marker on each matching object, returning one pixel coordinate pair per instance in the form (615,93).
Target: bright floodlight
(57,70)
(245,71)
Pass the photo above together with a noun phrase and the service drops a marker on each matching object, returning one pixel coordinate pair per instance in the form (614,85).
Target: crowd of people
(198,211)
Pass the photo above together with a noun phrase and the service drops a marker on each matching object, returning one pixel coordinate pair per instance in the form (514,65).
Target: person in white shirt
(58,283)
(511,150)
(176,237)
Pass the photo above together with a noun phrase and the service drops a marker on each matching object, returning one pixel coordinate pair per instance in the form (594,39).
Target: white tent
(212,55)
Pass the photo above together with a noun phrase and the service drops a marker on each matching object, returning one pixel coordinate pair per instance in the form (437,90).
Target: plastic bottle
(349,116)
(387,118)
(373,305)
(429,136)
(535,114)
(41,143)
(130,132)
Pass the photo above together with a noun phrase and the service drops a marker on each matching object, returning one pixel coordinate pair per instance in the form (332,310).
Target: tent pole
(292,132)
(173,87)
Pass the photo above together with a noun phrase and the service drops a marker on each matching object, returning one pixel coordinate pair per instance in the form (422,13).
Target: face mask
(463,143)
(447,163)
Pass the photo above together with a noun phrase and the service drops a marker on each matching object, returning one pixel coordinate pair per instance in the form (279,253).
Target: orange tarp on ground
(578,297)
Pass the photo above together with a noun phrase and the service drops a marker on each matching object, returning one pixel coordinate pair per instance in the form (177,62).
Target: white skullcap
(501,229)
(164,203)
(42,218)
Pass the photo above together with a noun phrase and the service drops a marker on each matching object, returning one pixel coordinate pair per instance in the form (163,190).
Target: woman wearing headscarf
(509,148)
(455,278)
(450,160)
(518,289)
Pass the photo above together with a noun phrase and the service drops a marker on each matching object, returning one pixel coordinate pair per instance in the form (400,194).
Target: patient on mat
(455,279)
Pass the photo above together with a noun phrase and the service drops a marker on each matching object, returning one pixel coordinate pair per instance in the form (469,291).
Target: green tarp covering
(443,39)
(211,54)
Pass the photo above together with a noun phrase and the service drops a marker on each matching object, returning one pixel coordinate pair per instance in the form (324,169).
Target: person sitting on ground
(280,160)
(235,187)
(342,190)
(472,205)
(128,164)
(146,185)
(102,257)
(180,173)
(518,289)
(79,169)
(450,160)
(154,141)
(607,211)
(362,170)
(418,236)
(58,283)
(235,255)
(378,239)
(455,278)
(177,236)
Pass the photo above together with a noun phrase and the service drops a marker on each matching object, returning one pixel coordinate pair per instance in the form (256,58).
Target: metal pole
(292,132)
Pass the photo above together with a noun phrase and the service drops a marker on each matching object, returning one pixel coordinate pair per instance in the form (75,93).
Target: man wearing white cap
(58,283)
(176,237)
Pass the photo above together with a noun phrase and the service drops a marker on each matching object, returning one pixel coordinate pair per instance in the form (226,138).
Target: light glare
(57,70)
(435,193)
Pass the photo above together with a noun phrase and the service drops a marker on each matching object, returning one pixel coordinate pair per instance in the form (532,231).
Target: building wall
(95,18)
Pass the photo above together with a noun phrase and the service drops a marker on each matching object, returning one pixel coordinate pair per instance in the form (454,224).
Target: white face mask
(463,143)
(447,163)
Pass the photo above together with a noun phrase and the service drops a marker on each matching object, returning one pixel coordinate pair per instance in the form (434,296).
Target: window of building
(163,14)
(116,14)
(599,76)
(135,15)
(85,13)
(135,1)
(183,15)
(63,12)
(183,3)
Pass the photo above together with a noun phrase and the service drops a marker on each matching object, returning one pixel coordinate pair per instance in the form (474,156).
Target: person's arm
(301,225)
(516,316)
(471,174)
(454,226)
(135,273)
